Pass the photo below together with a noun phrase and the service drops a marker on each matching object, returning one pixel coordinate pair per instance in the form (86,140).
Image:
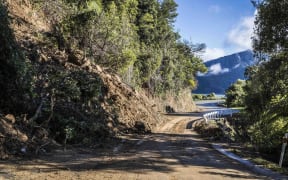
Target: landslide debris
(59,97)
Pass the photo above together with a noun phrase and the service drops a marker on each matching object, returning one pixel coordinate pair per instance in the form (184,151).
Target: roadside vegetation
(235,94)
(211,96)
(264,95)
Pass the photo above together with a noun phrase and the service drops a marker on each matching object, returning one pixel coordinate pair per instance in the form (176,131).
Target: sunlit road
(175,151)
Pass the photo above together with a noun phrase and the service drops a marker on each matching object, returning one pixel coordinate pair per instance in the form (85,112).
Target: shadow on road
(158,152)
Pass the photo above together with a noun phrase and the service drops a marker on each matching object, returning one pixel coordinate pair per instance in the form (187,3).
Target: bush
(197,97)
(267,134)
(211,96)
(235,94)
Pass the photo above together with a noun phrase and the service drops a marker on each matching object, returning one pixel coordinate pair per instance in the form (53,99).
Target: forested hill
(78,71)
(223,72)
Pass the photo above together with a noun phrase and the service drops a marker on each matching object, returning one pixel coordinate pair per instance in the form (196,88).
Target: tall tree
(271,26)
(168,10)
(266,100)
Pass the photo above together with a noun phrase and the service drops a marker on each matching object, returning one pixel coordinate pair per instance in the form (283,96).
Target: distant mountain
(223,72)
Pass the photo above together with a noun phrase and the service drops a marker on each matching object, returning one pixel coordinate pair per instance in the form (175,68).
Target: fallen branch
(40,147)
(52,105)
(38,111)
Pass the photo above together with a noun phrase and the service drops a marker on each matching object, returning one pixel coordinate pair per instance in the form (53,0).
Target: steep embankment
(65,96)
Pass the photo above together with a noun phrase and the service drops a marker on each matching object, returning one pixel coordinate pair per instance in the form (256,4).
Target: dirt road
(174,152)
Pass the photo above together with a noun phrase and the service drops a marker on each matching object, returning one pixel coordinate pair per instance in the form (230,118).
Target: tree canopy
(134,38)
(271,26)
(266,100)
(235,94)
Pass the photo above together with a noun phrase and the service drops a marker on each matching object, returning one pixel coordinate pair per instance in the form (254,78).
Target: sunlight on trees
(267,86)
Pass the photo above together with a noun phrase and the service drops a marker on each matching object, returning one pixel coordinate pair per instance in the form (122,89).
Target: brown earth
(174,151)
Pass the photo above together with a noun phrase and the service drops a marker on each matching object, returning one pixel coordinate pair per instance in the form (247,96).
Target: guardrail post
(285,139)
(205,117)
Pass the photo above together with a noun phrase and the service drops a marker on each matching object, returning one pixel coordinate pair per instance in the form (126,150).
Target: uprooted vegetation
(53,93)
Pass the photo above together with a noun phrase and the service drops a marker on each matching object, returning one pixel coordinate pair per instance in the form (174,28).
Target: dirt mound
(123,103)
(171,102)
(128,110)
(11,137)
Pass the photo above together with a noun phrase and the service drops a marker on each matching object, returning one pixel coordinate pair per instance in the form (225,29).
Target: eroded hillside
(54,95)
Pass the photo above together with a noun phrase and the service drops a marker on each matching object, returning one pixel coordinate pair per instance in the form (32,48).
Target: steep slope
(224,71)
(67,97)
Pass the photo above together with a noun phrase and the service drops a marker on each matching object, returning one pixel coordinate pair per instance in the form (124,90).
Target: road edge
(249,164)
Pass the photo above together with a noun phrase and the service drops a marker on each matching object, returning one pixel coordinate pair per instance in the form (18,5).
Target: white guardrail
(218,114)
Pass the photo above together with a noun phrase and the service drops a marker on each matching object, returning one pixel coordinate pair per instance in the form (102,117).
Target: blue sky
(225,26)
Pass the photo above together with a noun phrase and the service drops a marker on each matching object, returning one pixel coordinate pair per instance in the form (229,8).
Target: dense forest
(265,93)
(133,38)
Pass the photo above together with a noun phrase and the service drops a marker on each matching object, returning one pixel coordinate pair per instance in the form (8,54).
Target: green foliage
(72,85)
(267,134)
(265,92)
(197,97)
(271,26)
(267,86)
(169,10)
(72,101)
(135,39)
(235,94)
(266,100)
(65,86)
(211,96)
(94,5)
(107,37)
(13,70)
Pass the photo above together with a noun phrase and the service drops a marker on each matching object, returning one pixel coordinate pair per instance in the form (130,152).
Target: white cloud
(217,69)
(214,9)
(214,69)
(240,35)
(212,53)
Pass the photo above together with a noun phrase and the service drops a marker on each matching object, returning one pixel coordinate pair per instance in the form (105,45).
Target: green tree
(146,20)
(106,35)
(168,10)
(134,38)
(271,26)
(235,94)
(266,100)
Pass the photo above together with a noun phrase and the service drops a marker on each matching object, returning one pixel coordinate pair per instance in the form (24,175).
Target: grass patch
(249,153)
(212,96)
